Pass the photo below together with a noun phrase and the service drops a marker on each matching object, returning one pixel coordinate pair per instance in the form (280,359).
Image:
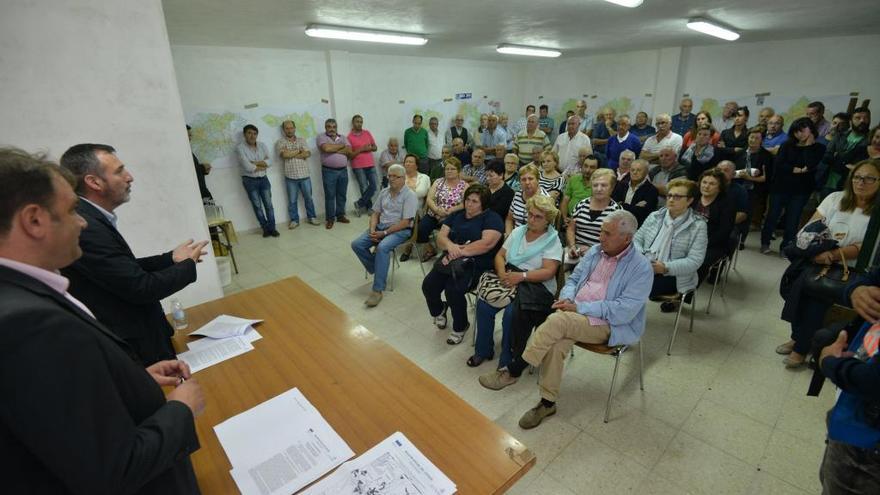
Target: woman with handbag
(469,238)
(530,255)
(846,214)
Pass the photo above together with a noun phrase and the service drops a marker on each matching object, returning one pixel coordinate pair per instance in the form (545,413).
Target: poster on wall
(216,133)
(789,106)
(445,111)
(559,106)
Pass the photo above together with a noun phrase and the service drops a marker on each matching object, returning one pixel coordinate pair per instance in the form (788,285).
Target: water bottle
(178,315)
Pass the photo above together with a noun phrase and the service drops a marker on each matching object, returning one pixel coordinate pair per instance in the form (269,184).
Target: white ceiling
(472,28)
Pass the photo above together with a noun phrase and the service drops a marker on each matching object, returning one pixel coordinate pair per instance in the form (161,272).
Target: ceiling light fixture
(712,29)
(509,49)
(370,35)
(626,3)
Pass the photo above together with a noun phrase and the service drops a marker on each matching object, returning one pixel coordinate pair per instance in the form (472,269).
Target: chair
(415,246)
(683,298)
(615,352)
(721,268)
(394,264)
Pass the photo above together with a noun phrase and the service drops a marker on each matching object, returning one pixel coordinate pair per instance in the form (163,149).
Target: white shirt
(671,140)
(435,145)
(567,148)
(110,216)
(847,227)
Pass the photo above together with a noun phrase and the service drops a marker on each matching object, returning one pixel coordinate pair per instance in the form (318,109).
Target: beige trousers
(552,342)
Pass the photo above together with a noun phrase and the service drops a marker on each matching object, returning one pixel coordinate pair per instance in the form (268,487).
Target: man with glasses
(458,130)
(390,226)
(664,138)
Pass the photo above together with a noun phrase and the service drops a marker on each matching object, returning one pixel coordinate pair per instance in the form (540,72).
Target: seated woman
(714,206)
(502,194)
(469,238)
(703,119)
(674,239)
(528,181)
(550,179)
(700,155)
(586,220)
(578,186)
(846,214)
(420,184)
(443,199)
(511,171)
(531,254)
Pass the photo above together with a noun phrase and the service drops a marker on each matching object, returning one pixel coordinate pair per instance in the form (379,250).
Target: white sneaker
(292,225)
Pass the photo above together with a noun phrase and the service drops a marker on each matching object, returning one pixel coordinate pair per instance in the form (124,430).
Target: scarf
(517,239)
(661,248)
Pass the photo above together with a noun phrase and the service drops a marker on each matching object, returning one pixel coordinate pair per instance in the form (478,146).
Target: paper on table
(281,445)
(393,467)
(225,326)
(211,354)
(251,335)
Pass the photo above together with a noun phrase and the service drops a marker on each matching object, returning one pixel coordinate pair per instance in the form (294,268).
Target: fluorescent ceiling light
(355,34)
(526,50)
(626,3)
(712,29)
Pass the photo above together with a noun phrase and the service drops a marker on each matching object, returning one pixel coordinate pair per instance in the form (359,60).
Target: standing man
(122,291)
(685,120)
(622,141)
(389,156)
(335,150)
(435,146)
(764,115)
(460,151)
(458,130)
(837,157)
(253,159)
(775,137)
(568,144)
(530,141)
(669,168)
(728,115)
(390,226)
(293,152)
(362,147)
(545,122)
(415,141)
(586,125)
(202,169)
(604,130)
(643,129)
(520,124)
(492,137)
(664,138)
(564,124)
(80,415)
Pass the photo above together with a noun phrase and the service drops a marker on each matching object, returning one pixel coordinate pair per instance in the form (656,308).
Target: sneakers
(374,299)
(535,415)
(455,338)
(440,320)
(292,225)
(497,379)
(765,249)
(314,221)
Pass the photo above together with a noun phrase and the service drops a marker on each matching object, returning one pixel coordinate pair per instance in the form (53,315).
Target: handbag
(458,269)
(491,290)
(827,282)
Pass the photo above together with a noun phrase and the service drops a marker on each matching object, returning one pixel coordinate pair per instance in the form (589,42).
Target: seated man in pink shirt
(603,302)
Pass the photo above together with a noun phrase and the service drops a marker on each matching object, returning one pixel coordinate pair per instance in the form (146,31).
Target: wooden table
(363,387)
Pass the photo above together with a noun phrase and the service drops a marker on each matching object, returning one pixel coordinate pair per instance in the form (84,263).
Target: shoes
(785,348)
(497,379)
(274,233)
(455,338)
(535,415)
(374,299)
(292,225)
(742,246)
(668,307)
(358,210)
(794,363)
(314,221)
(440,320)
(765,249)
(406,254)
(428,254)
(266,234)
(343,219)
(476,360)
(329,225)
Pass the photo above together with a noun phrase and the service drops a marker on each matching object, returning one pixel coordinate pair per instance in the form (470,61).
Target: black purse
(458,269)
(827,282)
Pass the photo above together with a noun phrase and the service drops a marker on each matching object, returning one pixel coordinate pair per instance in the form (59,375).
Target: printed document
(218,351)
(225,326)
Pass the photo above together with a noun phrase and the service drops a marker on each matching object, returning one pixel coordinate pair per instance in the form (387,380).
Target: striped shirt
(588,223)
(526,146)
(518,207)
(557,184)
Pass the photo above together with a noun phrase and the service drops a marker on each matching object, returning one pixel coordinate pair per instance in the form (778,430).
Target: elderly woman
(511,171)
(528,182)
(714,206)
(550,179)
(700,155)
(578,187)
(501,194)
(443,199)
(674,239)
(583,231)
(469,239)
(846,214)
(530,255)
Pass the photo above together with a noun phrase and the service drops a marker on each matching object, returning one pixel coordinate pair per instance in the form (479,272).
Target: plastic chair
(615,352)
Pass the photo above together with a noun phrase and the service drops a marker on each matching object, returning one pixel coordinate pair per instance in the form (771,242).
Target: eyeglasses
(395,176)
(865,179)
(536,216)
(676,196)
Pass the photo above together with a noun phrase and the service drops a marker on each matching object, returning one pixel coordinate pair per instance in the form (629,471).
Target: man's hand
(190,393)
(866,302)
(189,250)
(377,235)
(837,349)
(658,267)
(564,305)
(261,164)
(169,373)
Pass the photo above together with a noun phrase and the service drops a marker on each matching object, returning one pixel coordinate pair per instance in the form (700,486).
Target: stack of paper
(224,337)
(280,446)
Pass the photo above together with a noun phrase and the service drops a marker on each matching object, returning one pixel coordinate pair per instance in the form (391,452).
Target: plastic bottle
(178,314)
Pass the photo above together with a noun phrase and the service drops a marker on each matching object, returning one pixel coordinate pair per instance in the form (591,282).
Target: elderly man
(458,130)
(545,121)
(624,160)
(492,137)
(415,141)
(461,152)
(569,143)
(390,226)
(603,302)
(637,195)
(389,156)
(531,141)
(664,138)
(435,144)
(564,123)
(764,115)
(335,152)
(586,125)
(362,163)
(475,172)
(603,130)
(123,291)
(253,159)
(816,113)
(669,169)
(623,140)
(684,120)
(520,124)
(643,128)
(293,152)
(728,115)
(775,136)
(80,414)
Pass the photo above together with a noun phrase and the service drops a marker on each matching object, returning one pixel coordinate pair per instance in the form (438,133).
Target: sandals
(476,360)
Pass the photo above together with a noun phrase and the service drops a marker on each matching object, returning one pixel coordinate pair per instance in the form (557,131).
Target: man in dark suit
(123,291)
(637,195)
(79,415)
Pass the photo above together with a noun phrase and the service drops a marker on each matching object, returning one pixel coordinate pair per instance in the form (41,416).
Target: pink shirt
(365,159)
(54,280)
(595,288)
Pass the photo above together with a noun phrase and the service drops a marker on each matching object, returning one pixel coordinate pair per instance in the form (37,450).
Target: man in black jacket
(79,415)
(637,195)
(123,291)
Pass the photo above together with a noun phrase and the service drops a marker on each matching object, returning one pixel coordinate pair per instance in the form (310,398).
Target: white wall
(370,85)
(103,73)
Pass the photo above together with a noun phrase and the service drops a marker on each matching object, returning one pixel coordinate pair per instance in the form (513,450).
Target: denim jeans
(294,187)
(259,191)
(366,179)
(793,204)
(485,346)
(335,186)
(378,263)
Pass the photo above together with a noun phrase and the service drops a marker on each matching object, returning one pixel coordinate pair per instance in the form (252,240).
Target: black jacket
(79,415)
(646,192)
(123,291)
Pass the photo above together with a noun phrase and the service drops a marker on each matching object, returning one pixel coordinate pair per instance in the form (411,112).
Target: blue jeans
(485,346)
(366,179)
(259,191)
(794,206)
(294,187)
(378,263)
(335,186)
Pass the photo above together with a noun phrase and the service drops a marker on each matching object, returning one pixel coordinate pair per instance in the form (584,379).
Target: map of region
(305,123)
(213,134)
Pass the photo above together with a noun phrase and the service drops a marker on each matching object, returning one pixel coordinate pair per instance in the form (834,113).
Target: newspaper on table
(214,352)
(393,467)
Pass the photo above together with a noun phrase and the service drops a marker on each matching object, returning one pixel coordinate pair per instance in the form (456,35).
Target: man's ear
(33,220)
(93,183)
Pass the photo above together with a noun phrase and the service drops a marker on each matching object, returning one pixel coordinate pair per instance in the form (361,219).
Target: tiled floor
(720,416)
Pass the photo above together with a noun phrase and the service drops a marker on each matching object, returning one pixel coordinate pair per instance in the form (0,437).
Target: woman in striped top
(550,179)
(528,181)
(583,232)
